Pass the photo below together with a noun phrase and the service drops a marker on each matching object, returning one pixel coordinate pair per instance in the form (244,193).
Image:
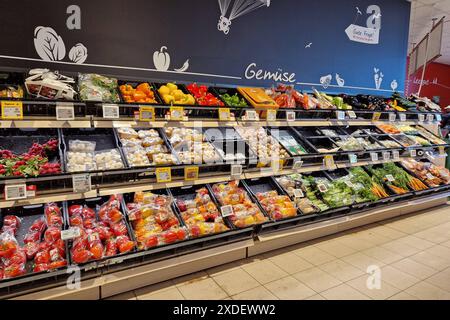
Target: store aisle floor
(411,255)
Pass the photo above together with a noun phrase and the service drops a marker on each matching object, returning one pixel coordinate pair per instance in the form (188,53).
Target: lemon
(163,90)
(172,86)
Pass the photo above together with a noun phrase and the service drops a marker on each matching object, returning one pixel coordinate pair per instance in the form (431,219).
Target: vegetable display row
(52,85)
(32,240)
(39,152)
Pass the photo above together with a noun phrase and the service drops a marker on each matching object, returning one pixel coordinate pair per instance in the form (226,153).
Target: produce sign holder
(95,203)
(28,214)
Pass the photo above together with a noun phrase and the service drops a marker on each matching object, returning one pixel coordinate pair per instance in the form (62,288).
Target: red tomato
(60,246)
(96,250)
(44,246)
(111,249)
(151,241)
(32,236)
(104,232)
(119,229)
(42,257)
(11,220)
(89,223)
(7,247)
(52,234)
(124,244)
(195,230)
(75,209)
(170,236)
(81,255)
(18,257)
(38,225)
(181,234)
(40,267)
(76,220)
(57,264)
(10,229)
(31,248)
(88,213)
(14,270)
(80,243)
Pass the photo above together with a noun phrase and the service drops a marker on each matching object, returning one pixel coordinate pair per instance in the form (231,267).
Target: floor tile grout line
(214,280)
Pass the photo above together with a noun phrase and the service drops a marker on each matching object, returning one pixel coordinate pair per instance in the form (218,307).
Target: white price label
(298,193)
(438,117)
(15,192)
(402,117)
(322,188)
(430,117)
(386,155)
(353,158)
(396,155)
(271,115)
(340,115)
(81,182)
(351,114)
(250,115)
(392,117)
(290,116)
(227,210)
(374,156)
(297,164)
(390,177)
(110,111)
(421,117)
(413,153)
(236,170)
(349,184)
(71,233)
(65,111)
(430,176)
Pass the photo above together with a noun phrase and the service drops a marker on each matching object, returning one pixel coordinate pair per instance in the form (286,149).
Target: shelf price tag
(277,165)
(390,178)
(251,115)
(353,158)
(271,115)
(290,115)
(340,115)
(430,117)
(297,164)
(402,117)
(65,111)
(191,173)
(322,188)
(163,175)
(421,117)
(349,184)
(413,153)
(351,114)
(328,162)
(71,233)
(81,183)
(12,110)
(376,116)
(392,117)
(438,117)
(441,150)
(396,155)
(430,176)
(224,114)
(386,155)
(298,193)
(227,210)
(146,113)
(374,156)
(236,170)
(110,111)
(176,113)
(15,191)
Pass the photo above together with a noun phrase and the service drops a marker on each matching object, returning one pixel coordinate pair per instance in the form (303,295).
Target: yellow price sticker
(224,114)
(176,113)
(146,113)
(190,173)
(328,161)
(163,175)
(277,165)
(12,110)
(376,116)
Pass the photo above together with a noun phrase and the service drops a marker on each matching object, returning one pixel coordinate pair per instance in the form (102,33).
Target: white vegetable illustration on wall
(378,77)
(238,8)
(394,85)
(48,44)
(78,53)
(339,80)
(325,81)
(161,61)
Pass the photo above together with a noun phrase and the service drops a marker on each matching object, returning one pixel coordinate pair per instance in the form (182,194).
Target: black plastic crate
(130,111)
(287,137)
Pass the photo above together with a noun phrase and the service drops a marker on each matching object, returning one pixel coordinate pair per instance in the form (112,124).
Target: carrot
(398,190)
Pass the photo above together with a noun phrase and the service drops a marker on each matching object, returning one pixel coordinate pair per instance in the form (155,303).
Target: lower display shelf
(138,272)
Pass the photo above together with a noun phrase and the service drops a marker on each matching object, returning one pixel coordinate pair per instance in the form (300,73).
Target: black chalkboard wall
(303,42)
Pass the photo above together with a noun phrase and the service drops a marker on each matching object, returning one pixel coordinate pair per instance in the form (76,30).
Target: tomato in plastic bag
(42,257)
(124,244)
(80,255)
(31,248)
(52,234)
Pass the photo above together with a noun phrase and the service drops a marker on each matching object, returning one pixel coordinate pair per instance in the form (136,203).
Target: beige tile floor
(412,254)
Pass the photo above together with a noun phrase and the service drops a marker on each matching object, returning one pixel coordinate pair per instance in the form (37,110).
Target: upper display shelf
(42,95)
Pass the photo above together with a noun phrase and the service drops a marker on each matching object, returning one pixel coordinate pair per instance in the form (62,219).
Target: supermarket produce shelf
(122,277)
